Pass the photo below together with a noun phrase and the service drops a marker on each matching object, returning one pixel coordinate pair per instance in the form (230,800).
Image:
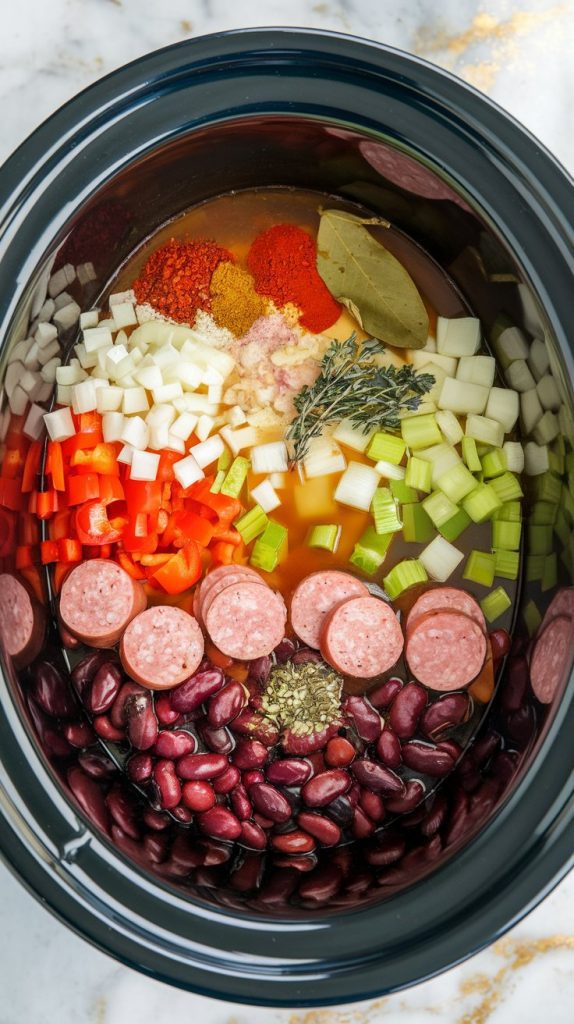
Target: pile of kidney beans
(200,789)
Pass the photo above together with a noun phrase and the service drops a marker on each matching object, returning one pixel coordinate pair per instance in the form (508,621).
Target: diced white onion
(278,480)
(70,374)
(238,440)
(463,398)
(58,282)
(514,454)
(144,465)
(547,428)
(548,393)
(503,405)
(148,376)
(34,422)
(485,430)
(187,471)
(449,426)
(440,559)
(86,272)
(31,359)
(422,358)
(109,399)
(84,397)
(530,410)
(116,298)
(352,436)
(48,352)
(200,404)
(476,370)
(64,394)
(536,459)
(204,427)
(235,416)
(46,311)
(112,426)
(175,444)
(442,458)
(59,424)
(323,458)
(18,401)
(45,334)
(265,495)
(510,345)
(48,371)
(135,432)
(439,376)
(134,400)
(13,376)
(390,471)
(538,360)
(269,458)
(89,319)
(87,359)
(207,451)
(126,455)
(95,338)
(184,425)
(215,393)
(159,436)
(29,381)
(458,337)
(519,377)
(124,316)
(357,486)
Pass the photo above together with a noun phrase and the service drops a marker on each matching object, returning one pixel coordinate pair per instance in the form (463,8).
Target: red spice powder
(283,261)
(176,278)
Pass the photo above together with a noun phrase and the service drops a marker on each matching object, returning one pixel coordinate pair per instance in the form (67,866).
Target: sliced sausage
(552,658)
(361,637)
(445,650)
(161,647)
(316,596)
(561,604)
(97,601)
(229,580)
(215,577)
(442,599)
(22,620)
(246,620)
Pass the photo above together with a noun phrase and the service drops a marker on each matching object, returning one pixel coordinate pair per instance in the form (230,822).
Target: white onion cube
(458,337)
(187,471)
(269,458)
(235,416)
(536,459)
(134,400)
(126,455)
(135,432)
(34,422)
(89,319)
(59,424)
(184,425)
(538,359)
(112,426)
(167,392)
(109,399)
(148,376)
(503,405)
(84,397)
(463,398)
(476,370)
(449,426)
(514,454)
(125,316)
(357,486)
(265,495)
(485,430)
(440,559)
(519,377)
(144,465)
(207,451)
(70,374)
(548,393)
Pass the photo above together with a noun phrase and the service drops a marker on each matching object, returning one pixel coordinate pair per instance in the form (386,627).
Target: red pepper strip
(186,526)
(227,536)
(154,561)
(31,467)
(226,509)
(90,422)
(139,545)
(94,527)
(60,526)
(59,573)
(7,533)
(129,565)
(69,550)
(11,494)
(83,488)
(25,556)
(222,554)
(165,467)
(49,552)
(80,442)
(13,464)
(142,496)
(111,489)
(55,465)
(181,571)
(100,459)
(46,504)
(28,528)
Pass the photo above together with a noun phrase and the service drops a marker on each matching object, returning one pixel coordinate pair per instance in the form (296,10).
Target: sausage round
(444,598)
(316,596)
(215,578)
(445,650)
(246,620)
(561,604)
(361,637)
(228,580)
(161,647)
(22,620)
(98,600)
(552,658)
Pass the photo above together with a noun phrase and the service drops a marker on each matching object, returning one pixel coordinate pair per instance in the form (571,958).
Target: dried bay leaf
(360,272)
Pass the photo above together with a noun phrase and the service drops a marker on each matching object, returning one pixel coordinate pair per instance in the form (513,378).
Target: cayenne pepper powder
(175,279)
(283,261)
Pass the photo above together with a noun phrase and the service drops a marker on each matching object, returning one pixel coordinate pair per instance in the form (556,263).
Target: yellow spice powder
(234,302)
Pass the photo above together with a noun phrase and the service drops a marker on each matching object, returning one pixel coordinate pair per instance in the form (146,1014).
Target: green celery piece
(539,540)
(384,511)
(271,547)
(236,477)
(506,536)
(455,526)
(495,604)
(324,536)
(405,574)
(470,454)
(224,461)
(401,492)
(275,535)
(370,550)
(547,487)
(263,557)
(561,527)
(507,486)
(251,524)
(417,526)
(507,564)
(439,508)
(386,447)
(543,513)
(457,482)
(480,567)
(481,503)
(550,572)
(510,512)
(219,478)
(532,617)
(493,463)
(419,474)
(421,431)
(567,502)
(534,568)
(556,462)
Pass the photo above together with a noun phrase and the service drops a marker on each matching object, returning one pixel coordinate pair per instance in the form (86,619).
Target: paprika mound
(176,278)
(283,263)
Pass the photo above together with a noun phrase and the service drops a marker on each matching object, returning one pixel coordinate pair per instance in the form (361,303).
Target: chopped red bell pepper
(181,571)
(11,493)
(14,461)
(69,550)
(49,552)
(165,467)
(83,488)
(142,496)
(7,532)
(55,465)
(80,442)
(90,422)
(46,504)
(100,459)
(60,524)
(222,554)
(59,573)
(111,489)
(130,566)
(226,509)
(25,556)
(185,526)
(31,467)
(94,527)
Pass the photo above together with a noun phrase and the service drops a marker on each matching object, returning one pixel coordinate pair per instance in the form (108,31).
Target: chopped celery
(325,536)
(251,524)
(495,604)
(470,454)
(404,575)
(401,492)
(547,487)
(510,512)
(417,527)
(543,513)
(507,564)
(481,503)
(494,463)
(384,510)
(271,547)
(507,487)
(534,568)
(419,474)
(440,558)
(370,550)
(236,477)
(442,457)
(550,572)
(555,462)
(479,568)
(569,462)
(506,536)
(387,447)
(568,503)
(455,526)
(457,482)
(561,527)
(219,478)
(224,461)
(439,508)
(532,617)
(421,431)
(263,557)
(539,540)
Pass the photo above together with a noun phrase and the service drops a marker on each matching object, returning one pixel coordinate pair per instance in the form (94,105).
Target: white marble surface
(520,54)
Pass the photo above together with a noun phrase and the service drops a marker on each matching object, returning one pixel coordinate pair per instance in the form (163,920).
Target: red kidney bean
(97,765)
(156,847)
(84,671)
(285,651)
(198,795)
(378,777)
(414,793)
(427,759)
(360,882)
(118,715)
(343,857)
(414,818)
(225,705)
(227,781)
(372,804)
(249,723)
(504,767)
(521,725)
(212,852)
(389,850)
(339,752)
(249,754)
(293,842)
(167,782)
(367,721)
(270,802)
(174,744)
(139,768)
(450,747)
(278,888)
(220,823)
(78,734)
(304,746)
(485,747)
(164,711)
(141,721)
(90,798)
(325,787)
(322,884)
(305,655)
(353,794)
(253,835)
(106,730)
(240,803)
(500,643)
(156,820)
(362,826)
(69,641)
(289,771)
(326,831)
(444,714)
(458,819)
(259,669)
(435,817)
(248,874)
(182,814)
(389,748)
(384,694)
(197,689)
(104,689)
(123,811)
(341,811)
(263,822)
(51,691)
(220,741)
(317,762)
(201,766)
(129,847)
(515,685)
(251,777)
(301,864)
(185,853)
(406,710)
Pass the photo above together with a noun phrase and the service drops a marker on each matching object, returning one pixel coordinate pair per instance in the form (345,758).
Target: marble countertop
(520,55)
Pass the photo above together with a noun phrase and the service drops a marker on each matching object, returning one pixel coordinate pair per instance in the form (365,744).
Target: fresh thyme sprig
(352,386)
